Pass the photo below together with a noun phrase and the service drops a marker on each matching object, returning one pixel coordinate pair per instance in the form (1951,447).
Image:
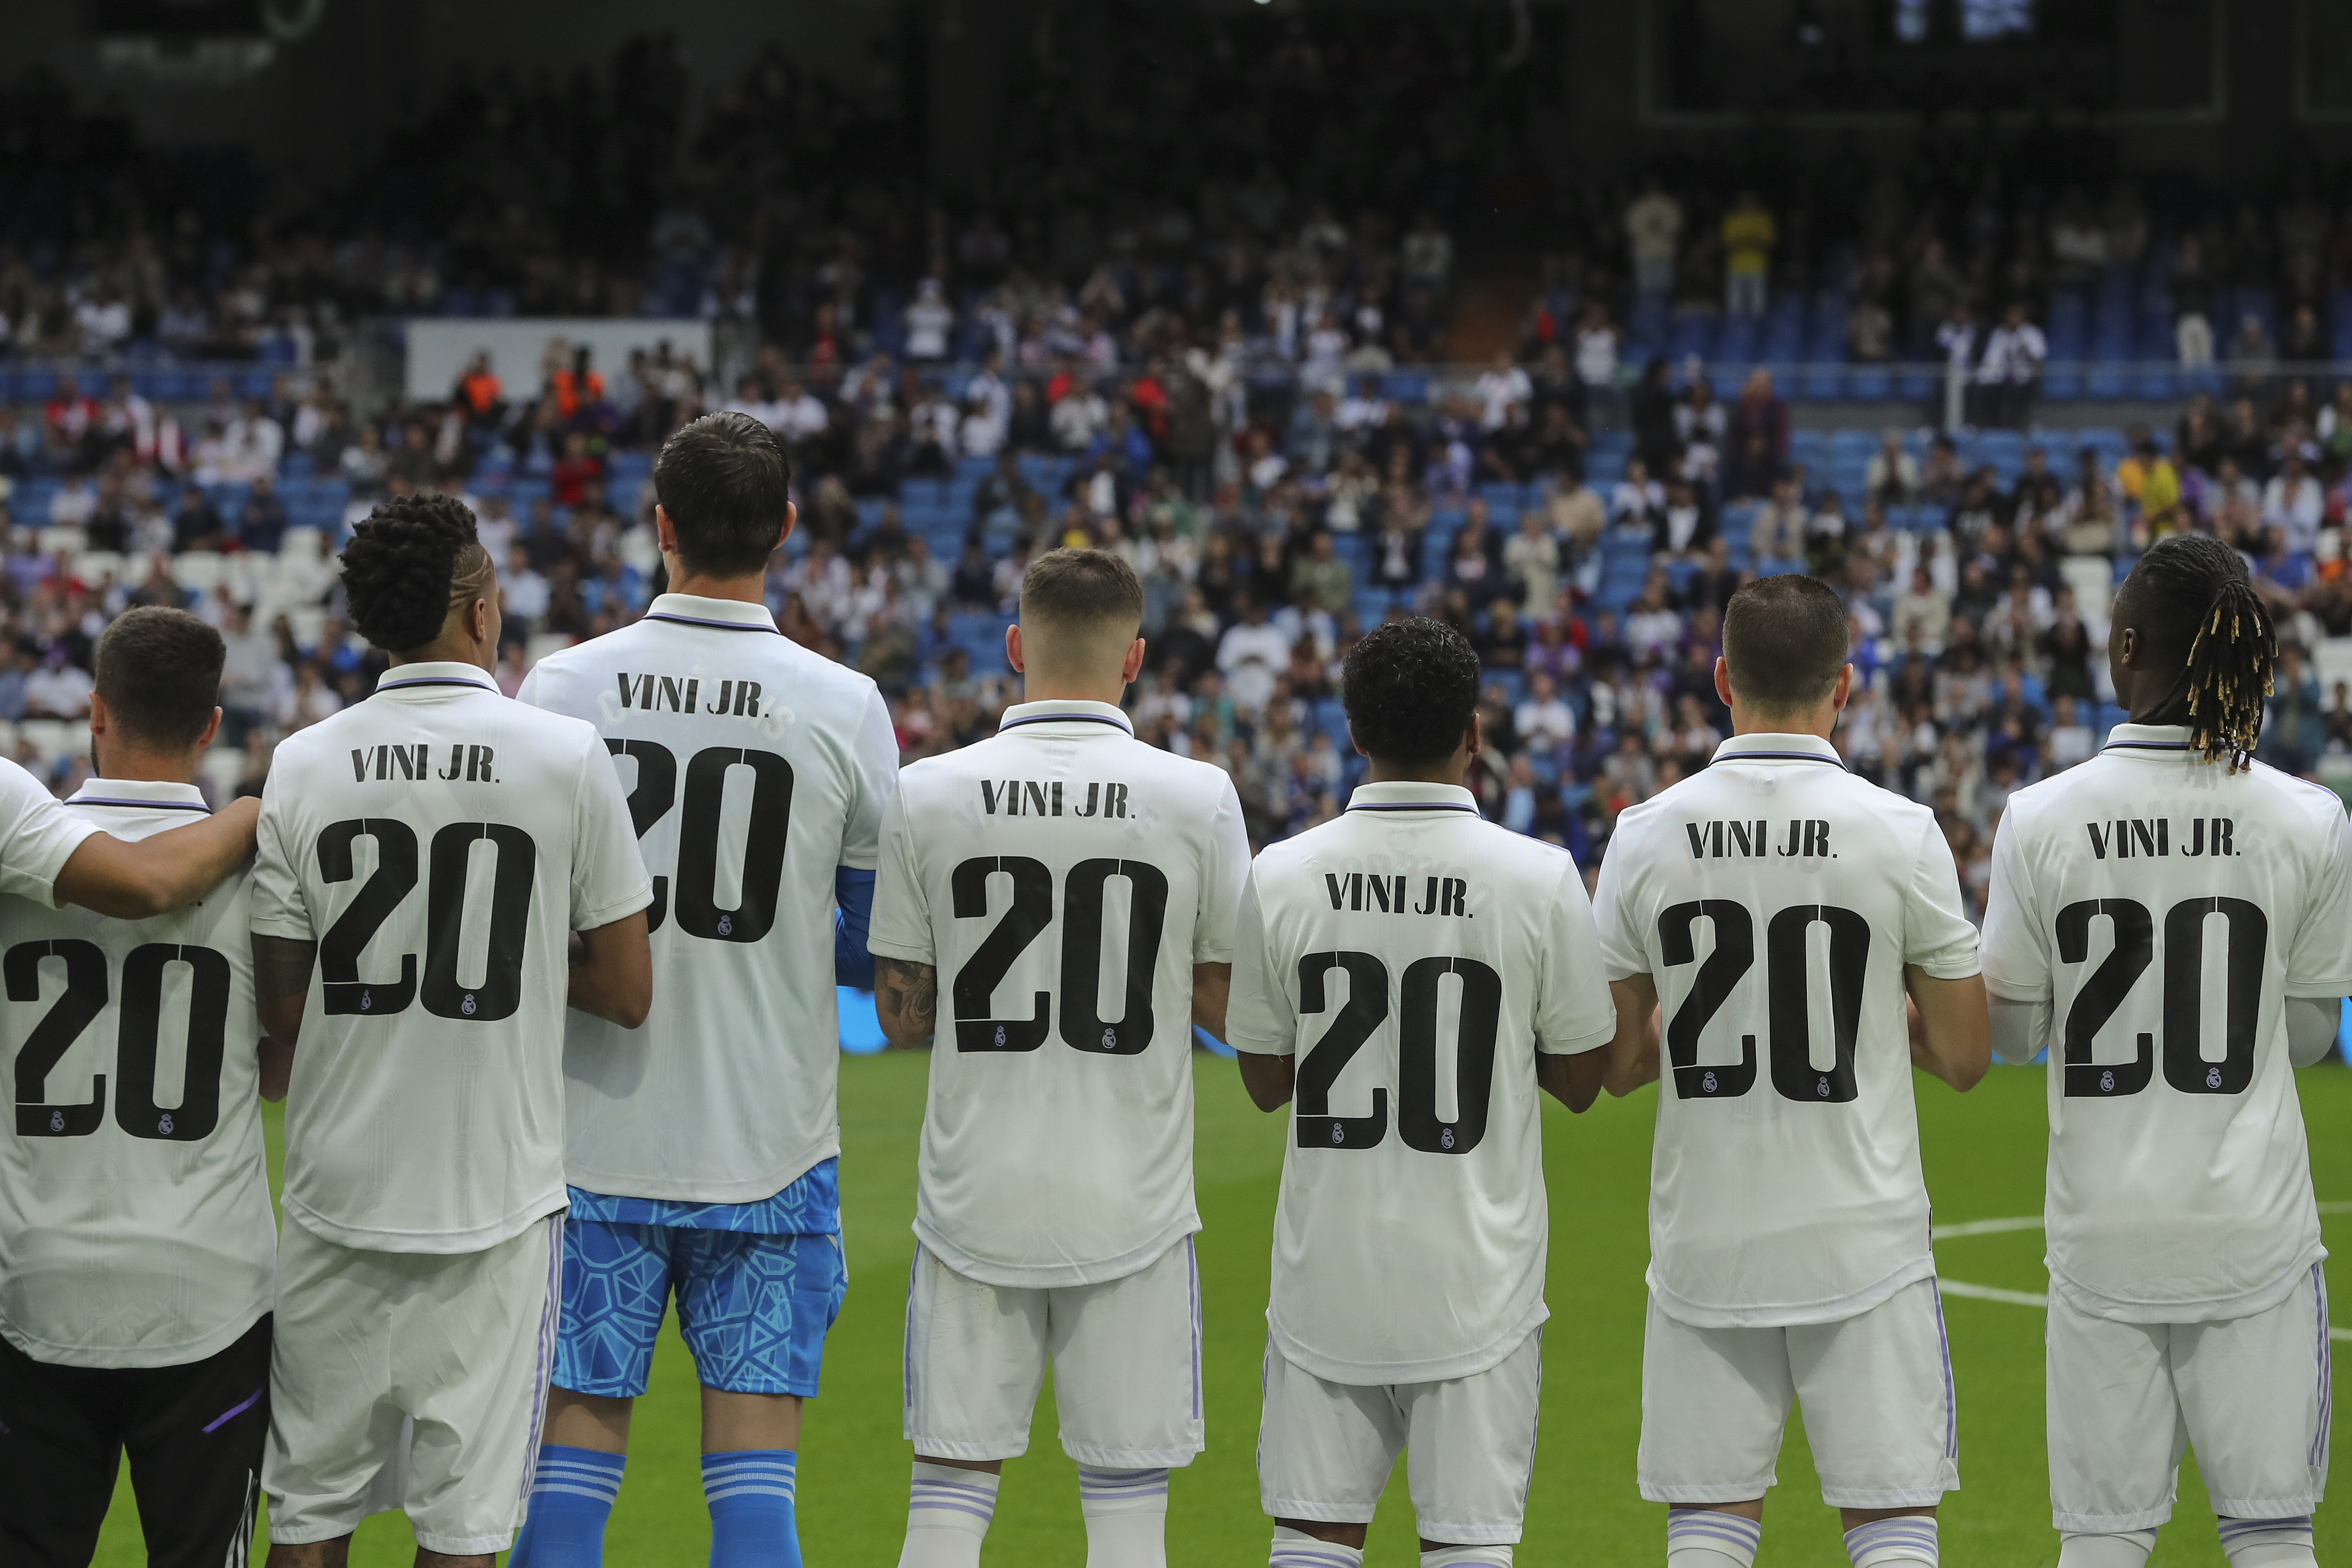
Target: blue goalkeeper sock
(750,1498)
(570,1497)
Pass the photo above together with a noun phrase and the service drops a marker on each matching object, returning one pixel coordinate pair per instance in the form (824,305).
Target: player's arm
(2311,1025)
(1269,1080)
(155,876)
(1632,1053)
(281,984)
(613,972)
(1213,988)
(277,1069)
(906,1001)
(1575,1081)
(1950,1034)
(2021,1030)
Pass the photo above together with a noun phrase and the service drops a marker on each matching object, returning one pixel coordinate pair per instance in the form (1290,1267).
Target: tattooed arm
(281,984)
(907,1000)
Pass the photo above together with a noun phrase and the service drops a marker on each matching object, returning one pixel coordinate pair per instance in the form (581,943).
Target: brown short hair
(160,672)
(1784,640)
(1081,588)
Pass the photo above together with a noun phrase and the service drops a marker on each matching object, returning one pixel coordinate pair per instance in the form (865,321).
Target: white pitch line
(2036,1298)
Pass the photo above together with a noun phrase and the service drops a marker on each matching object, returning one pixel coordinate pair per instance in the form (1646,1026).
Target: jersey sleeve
(40,837)
(1574,1012)
(1624,952)
(608,874)
(901,923)
(2320,962)
(875,761)
(281,908)
(1224,870)
(528,692)
(1259,1016)
(2016,959)
(1937,935)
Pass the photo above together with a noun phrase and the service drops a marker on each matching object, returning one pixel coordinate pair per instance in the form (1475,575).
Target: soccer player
(701,1158)
(1417,974)
(1778,909)
(2174,921)
(1072,890)
(434,848)
(136,1237)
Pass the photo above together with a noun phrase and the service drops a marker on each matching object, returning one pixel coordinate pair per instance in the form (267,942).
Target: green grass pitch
(1984,1155)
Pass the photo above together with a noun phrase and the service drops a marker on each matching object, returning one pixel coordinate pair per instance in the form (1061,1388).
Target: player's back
(135,1226)
(1776,900)
(2167,907)
(1064,879)
(439,843)
(1413,958)
(756,768)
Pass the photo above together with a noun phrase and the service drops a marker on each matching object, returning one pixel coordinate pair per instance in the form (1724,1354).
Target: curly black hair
(402,567)
(1410,689)
(2191,597)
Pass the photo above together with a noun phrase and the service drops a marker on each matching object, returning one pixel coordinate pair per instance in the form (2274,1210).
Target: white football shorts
(456,1346)
(1877,1393)
(2252,1394)
(1325,1449)
(1125,1355)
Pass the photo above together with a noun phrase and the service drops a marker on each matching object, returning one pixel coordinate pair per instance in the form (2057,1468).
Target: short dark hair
(1784,640)
(1410,689)
(1079,587)
(160,672)
(726,482)
(402,566)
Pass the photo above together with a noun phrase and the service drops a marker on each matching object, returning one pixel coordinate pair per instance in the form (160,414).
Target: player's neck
(1109,693)
(450,650)
(749,589)
(132,766)
(1820,722)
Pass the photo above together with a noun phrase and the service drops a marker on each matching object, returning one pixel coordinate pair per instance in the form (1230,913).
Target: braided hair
(2191,595)
(407,563)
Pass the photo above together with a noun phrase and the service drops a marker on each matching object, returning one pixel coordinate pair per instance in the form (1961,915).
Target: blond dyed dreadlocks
(2193,590)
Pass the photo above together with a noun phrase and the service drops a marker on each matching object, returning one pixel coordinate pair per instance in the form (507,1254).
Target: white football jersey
(2165,906)
(440,844)
(1414,958)
(756,768)
(1062,878)
(38,835)
(135,1226)
(1775,899)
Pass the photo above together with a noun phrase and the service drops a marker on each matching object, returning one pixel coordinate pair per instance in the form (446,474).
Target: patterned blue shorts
(752,1308)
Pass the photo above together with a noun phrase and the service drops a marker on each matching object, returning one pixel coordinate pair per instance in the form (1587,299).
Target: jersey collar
(1768,747)
(725,615)
(1411,794)
(145,795)
(428,676)
(1064,711)
(2151,738)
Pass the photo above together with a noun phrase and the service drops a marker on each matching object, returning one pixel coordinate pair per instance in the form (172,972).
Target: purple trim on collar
(1778,757)
(697,621)
(1119,724)
(436,680)
(1415,806)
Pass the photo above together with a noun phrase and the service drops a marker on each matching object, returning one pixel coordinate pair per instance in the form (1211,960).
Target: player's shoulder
(2292,794)
(1182,771)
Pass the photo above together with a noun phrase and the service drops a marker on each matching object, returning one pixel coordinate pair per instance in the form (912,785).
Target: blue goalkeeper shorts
(753,1309)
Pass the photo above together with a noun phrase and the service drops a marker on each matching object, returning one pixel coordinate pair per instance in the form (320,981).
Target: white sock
(2268,1542)
(947,1511)
(1702,1538)
(2123,1549)
(1467,1557)
(1297,1549)
(1884,1543)
(1127,1517)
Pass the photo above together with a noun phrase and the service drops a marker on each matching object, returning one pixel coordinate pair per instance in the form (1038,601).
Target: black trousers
(195,1434)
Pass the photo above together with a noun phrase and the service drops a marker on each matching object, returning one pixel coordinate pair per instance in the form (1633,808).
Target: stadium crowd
(1214,339)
